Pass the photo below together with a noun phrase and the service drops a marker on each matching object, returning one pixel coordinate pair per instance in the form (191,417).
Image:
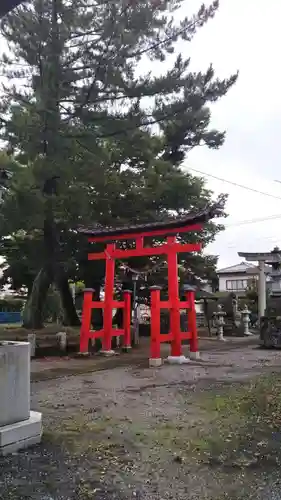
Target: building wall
(235,283)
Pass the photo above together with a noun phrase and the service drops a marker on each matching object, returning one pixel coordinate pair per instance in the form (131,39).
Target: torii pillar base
(177,360)
(155,362)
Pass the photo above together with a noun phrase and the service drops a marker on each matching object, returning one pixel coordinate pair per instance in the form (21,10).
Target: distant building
(238,278)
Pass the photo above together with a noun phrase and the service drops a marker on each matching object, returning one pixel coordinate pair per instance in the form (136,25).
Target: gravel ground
(132,433)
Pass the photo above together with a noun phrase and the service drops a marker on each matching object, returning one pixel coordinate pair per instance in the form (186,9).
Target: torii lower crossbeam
(142,251)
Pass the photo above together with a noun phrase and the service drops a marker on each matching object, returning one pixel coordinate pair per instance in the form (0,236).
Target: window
(236,285)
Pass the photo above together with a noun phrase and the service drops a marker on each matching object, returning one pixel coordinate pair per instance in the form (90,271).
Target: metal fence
(10,317)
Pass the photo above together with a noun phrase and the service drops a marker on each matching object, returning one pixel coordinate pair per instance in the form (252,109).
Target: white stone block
(20,435)
(155,362)
(14,382)
(177,360)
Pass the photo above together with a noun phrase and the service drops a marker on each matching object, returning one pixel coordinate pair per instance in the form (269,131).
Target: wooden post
(86,320)
(155,352)
(192,326)
(127,320)
(108,299)
(173,286)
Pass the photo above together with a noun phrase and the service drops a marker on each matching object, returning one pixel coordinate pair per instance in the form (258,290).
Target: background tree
(115,138)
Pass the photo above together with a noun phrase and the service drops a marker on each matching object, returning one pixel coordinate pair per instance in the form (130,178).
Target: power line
(253,221)
(235,184)
(270,239)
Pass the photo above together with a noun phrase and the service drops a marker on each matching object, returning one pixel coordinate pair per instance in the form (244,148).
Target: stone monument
(19,427)
(219,316)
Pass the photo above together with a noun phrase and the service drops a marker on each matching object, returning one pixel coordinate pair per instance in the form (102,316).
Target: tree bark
(33,311)
(53,271)
(70,314)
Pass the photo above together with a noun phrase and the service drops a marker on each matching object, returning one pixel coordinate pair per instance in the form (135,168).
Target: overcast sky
(244,36)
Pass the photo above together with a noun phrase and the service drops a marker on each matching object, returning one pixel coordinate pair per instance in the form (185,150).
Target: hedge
(11,305)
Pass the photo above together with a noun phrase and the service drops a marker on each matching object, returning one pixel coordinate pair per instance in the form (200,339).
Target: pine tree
(79,111)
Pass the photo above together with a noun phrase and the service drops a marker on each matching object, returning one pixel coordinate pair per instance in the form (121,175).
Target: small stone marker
(31,338)
(62,340)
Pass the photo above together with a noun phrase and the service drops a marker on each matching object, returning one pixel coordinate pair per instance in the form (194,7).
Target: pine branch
(113,33)
(191,27)
(129,129)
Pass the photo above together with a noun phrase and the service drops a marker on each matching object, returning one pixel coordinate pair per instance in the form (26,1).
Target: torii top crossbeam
(160,228)
(261,256)
(170,228)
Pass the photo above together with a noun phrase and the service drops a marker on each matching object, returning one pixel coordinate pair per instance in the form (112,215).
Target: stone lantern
(246,320)
(219,316)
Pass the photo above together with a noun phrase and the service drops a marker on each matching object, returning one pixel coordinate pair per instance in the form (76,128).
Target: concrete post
(262,289)
(19,427)
(14,382)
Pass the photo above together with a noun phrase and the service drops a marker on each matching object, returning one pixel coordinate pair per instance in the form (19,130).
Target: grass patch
(77,433)
(244,426)
(17,331)
(82,434)
(236,437)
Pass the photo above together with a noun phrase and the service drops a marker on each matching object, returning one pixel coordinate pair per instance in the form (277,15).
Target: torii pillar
(261,258)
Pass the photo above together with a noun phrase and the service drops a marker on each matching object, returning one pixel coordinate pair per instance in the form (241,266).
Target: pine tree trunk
(33,311)
(70,314)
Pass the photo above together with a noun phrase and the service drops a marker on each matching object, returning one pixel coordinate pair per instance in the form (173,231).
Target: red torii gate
(168,229)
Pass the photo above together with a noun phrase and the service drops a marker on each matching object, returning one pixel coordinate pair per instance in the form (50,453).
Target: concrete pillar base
(195,355)
(155,362)
(82,354)
(108,353)
(21,435)
(177,360)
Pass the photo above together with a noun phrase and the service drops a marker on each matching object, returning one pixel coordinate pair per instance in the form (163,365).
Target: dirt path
(135,433)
